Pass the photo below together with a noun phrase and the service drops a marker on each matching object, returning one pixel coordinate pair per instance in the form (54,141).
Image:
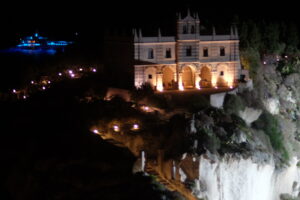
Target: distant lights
(135,127)
(49,82)
(59,74)
(24,97)
(231,87)
(43,88)
(95,131)
(14,91)
(32,82)
(72,75)
(70,72)
(146,108)
(80,69)
(265,62)
(116,128)
(94,70)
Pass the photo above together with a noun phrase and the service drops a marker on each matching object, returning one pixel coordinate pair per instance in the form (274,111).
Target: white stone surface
(250,115)
(242,179)
(217,100)
(272,105)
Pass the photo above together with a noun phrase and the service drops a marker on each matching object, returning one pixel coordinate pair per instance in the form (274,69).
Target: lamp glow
(116,128)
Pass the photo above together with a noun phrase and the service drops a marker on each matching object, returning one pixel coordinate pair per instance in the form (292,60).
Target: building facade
(187,60)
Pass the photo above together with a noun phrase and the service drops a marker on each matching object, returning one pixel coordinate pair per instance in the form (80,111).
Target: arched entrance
(205,77)
(187,77)
(150,76)
(168,78)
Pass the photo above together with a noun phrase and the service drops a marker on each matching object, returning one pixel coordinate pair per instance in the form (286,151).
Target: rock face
(250,115)
(217,100)
(272,105)
(233,178)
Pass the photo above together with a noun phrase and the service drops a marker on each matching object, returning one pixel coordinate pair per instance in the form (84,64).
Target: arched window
(184,29)
(188,51)
(168,53)
(150,53)
(205,52)
(222,51)
(192,29)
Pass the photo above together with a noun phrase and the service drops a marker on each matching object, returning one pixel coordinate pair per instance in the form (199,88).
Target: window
(205,52)
(188,51)
(184,29)
(222,51)
(221,73)
(149,76)
(193,29)
(150,54)
(168,53)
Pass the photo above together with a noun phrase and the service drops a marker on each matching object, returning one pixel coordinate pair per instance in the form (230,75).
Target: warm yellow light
(135,127)
(160,88)
(181,87)
(146,108)
(80,69)
(116,128)
(95,131)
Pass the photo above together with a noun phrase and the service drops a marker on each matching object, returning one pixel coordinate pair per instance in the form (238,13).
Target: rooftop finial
(188,12)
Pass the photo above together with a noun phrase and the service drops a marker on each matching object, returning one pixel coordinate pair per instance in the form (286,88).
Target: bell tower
(188,27)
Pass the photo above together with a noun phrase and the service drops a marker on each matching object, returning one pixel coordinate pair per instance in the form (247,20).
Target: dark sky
(61,21)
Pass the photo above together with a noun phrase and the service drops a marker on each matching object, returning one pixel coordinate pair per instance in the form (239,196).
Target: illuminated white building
(187,60)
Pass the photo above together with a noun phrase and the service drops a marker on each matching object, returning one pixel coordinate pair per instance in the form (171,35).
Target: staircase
(170,184)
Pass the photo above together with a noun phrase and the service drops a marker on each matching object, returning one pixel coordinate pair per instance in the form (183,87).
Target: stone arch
(222,75)
(205,75)
(188,76)
(168,77)
(150,76)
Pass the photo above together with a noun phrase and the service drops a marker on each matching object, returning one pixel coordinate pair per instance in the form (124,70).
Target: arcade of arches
(189,77)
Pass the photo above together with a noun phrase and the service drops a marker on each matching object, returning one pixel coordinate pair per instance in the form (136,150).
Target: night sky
(61,21)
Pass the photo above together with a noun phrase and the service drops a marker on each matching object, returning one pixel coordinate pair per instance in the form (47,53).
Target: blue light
(36,34)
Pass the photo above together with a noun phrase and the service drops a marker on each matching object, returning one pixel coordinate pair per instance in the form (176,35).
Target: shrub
(145,90)
(269,124)
(196,103)
(233,104)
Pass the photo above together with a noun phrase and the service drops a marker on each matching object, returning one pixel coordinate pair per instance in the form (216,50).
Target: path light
(146,108)
(94,70)
(44,88)
(70,72)
(59,74)
(181,88)
(72,75)
(95,131)
(32,82)
(14,91)
(24,97)
(135,127)
(49,82)
(116,128)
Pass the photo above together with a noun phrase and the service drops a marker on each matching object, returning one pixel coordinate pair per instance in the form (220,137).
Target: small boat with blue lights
(38,42)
